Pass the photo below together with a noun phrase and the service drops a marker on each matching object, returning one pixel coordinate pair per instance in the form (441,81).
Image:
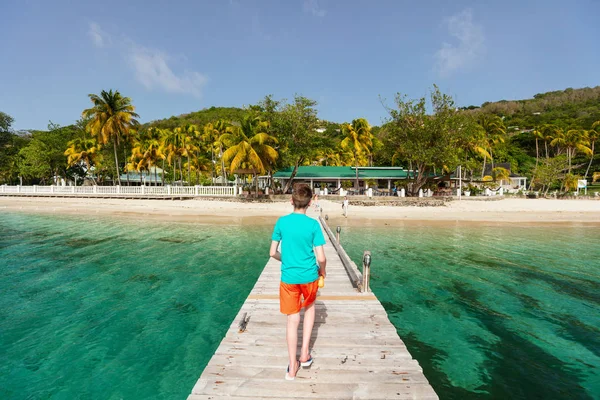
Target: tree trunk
(293,175)
(180,171)
(483,169)
(162,176)
(189,171)
(256,183)
(546,144)
(223,165)
(587,171)
(126,169)
(92,176)
(116,164)
(356,170)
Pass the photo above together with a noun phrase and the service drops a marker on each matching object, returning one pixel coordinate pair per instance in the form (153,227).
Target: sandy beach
(216,211)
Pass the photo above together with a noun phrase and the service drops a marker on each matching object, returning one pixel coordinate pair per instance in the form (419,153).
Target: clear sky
(173,57)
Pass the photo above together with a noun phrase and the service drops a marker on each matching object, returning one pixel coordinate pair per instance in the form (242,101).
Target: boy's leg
(309,321)
(293,320)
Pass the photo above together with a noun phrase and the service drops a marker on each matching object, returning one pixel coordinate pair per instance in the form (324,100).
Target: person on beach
(345,206)
(299,235)
(316,201)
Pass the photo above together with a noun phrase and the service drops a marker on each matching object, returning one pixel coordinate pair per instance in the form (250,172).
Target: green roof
(343,173)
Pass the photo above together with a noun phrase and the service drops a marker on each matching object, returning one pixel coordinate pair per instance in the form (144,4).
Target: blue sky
(173,57)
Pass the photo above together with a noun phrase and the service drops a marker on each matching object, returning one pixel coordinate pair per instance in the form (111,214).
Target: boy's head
(301,196)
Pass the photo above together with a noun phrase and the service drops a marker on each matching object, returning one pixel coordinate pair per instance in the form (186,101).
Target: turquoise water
(492,312)
(126,309)
(117,309)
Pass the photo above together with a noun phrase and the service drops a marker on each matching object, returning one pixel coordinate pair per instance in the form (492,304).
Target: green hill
(200,118)
(569,108)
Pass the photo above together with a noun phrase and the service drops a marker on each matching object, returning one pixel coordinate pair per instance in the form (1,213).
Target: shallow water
(117,309)
(492,312)
(127,309)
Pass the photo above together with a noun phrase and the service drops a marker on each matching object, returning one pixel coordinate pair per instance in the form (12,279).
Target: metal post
(366,270)
(337,236)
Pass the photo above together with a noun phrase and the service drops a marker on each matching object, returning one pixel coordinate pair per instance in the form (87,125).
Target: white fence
(145,191)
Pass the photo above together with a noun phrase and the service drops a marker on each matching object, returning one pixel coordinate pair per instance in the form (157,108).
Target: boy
(299,273)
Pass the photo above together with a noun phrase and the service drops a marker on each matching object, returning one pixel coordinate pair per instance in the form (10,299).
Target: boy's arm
(274,252)
(321,260)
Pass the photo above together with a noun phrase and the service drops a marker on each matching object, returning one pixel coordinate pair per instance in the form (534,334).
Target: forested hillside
(568,109)
(550,139)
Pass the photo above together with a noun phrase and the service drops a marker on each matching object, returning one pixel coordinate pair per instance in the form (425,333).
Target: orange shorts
(290,301)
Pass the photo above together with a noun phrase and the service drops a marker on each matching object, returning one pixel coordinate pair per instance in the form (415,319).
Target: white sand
(209,211)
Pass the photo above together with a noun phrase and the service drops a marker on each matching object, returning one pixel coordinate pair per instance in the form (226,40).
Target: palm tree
(547,132)
(593,135)
(187,135)
(573,140)
(495,132)
(570,182)
(212,134)
(358,139)
(500,174)
(83,149)
(111,118)
(146,152)
(249,146)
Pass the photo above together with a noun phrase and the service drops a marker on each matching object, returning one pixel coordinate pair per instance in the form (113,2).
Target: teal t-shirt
(298,235)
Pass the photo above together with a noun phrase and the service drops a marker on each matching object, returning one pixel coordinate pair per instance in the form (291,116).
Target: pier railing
(141,191)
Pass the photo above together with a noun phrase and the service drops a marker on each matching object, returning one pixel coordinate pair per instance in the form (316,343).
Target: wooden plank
(357,351)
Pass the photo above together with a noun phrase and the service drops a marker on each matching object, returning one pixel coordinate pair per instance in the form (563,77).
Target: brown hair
(301,195)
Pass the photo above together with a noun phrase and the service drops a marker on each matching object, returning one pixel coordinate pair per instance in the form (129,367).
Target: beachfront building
(153,177)
(380,179)
(515,182)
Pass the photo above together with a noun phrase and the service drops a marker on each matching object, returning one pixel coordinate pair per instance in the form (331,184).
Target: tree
(172,147)
(212,135)
(427,141)
(500,174)
(549,172)
(573,140)
(146,152)
(82,149)
(495,133)
(187,136)
(593,135)
(111,118)
(295,128)
(249,147)
(570,182)
(358,139)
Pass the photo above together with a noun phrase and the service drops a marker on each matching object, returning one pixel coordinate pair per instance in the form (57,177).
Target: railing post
(366,270)
(143,189)
(118,189)
(72,189)
(196,190)
(34,188)
(169,189)
(18,188)
(95,189)
(337,235)
(51,188)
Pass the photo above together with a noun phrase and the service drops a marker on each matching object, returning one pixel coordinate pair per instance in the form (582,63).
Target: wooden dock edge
(354,274)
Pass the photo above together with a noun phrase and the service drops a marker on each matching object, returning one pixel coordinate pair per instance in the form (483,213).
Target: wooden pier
(356,349)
